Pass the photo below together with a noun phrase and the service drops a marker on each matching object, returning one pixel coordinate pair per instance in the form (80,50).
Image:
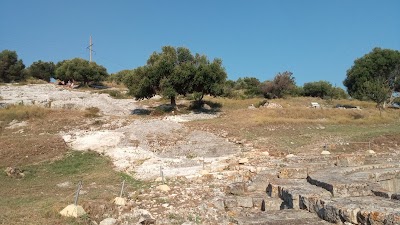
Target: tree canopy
(11,69)
(176,71)
(80,70)
(379,68)
(42,70)
(282,84)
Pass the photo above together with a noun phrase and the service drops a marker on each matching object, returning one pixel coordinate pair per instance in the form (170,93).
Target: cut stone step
(280,217)
(359,210)
(294,190)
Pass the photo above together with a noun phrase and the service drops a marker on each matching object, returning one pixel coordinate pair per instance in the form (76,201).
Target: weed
(92,112)
(260,103)
(191,155)
(136,184)
(175,218)
(194,218)
(115,94)
(98,122)
(32,80)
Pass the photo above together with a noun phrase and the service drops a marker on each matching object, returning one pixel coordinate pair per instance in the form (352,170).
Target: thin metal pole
(122,189)
(162,175)
(77,192)
(90,49)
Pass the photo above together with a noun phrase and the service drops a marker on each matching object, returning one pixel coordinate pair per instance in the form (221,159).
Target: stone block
(246,202)
(257,201)
(237,188)
(230,202)
(293,173)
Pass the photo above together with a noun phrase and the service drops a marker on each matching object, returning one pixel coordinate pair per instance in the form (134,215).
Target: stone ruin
(344,189)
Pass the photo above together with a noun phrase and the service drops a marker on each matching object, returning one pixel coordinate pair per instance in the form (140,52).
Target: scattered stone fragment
(120,201)
(64,184)
(325,152)
(265,153)
(14,172)
(371,152)
(163,187)
(108,221)
(243,160)
(293,173)
(204,172)
(290,156)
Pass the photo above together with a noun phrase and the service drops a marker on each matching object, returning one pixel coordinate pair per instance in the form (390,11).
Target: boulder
(120,201)
(73,211)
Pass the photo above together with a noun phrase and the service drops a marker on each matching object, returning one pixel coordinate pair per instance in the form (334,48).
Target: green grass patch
(115,94)
(38,197)
(77,162)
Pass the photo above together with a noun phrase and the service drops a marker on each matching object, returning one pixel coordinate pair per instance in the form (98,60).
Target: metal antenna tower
(90,49)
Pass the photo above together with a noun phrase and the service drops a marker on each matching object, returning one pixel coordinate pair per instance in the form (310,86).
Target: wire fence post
(77,192)
(203,162)
(162,175)
(122,188)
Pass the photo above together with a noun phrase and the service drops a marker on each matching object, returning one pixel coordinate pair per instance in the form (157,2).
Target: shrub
(92,112)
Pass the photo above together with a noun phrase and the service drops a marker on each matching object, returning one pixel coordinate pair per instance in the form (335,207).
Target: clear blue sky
(314,39)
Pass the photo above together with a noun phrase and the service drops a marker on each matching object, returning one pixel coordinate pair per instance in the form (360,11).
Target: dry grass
(298,128)
(92,112)
(32,80)
(21,112)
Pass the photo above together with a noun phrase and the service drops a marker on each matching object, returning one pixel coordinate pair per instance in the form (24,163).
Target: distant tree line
(176,71)
(13,69)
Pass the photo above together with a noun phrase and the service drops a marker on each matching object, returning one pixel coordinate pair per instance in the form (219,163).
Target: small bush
(92,112)
(357,115)
(260,103)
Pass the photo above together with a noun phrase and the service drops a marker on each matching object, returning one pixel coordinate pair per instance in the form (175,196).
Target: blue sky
(314,39)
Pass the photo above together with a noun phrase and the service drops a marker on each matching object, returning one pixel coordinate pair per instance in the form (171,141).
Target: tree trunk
(173,101)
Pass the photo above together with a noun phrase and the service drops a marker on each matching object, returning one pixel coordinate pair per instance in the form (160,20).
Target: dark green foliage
(120,77)
(282,85)
(380,65)
(250,86)
(319,89)
(41,70)
(175,72)
(377,90)
(11,69)
(338,93)
(80,70)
